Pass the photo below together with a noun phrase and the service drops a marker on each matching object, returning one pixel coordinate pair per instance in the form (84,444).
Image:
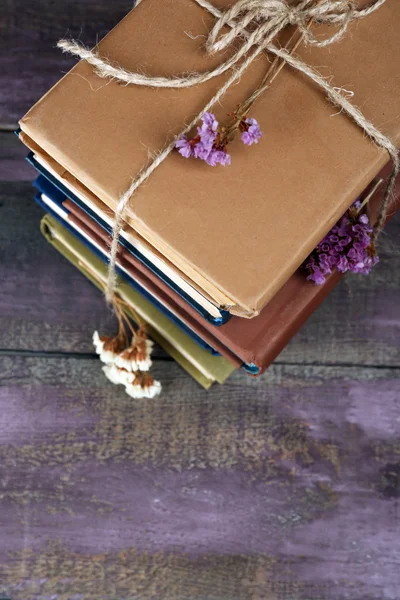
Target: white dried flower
(153,390)
(125,377)
(98,343)
(127,366)
(145,388)
(108,357)
(112,373)
(124,363)
(134,391)
(149,346)
(118,376)
(108,348)
(137,357)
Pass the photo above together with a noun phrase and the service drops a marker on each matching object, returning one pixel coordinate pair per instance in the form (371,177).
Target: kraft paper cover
(241,230)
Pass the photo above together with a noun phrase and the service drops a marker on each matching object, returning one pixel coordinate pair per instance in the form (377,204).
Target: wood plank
(13,166)
(46,305)
(284,487)
(30,61)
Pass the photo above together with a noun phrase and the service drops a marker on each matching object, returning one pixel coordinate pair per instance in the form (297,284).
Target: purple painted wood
(29,32)
(283,488)
(13,166)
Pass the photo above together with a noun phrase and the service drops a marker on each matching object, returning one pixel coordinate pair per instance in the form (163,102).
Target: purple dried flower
(251,132)
(201,151)
(333,238)
(315,273)
(207,138)
(317,277)
(210,121)
(347,247)
(210,143)
(184,147)
(342,264)
(206,147)
(218,157)
(208,130)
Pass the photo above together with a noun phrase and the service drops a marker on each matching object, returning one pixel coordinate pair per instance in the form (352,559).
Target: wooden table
(280,488)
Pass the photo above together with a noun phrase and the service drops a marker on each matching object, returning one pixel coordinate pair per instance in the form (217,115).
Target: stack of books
(211,258)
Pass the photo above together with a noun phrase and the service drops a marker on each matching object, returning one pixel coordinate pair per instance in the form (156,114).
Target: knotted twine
(270,17)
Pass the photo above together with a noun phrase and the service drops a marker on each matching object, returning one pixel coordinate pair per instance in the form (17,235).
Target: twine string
(381,140)
(270,18)
(268,13)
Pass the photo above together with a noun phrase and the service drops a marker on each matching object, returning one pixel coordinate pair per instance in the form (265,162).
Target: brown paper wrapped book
(238,232)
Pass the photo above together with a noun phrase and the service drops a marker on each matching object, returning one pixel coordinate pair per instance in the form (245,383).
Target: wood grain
(30,61)
(284,487)
(281,488)
(13,166)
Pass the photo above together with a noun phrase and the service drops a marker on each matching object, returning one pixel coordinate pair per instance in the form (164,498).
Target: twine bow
(255,23)
(277,13)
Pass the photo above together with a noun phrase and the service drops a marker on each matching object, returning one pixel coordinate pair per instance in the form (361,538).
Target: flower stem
(276,67)
(117,303)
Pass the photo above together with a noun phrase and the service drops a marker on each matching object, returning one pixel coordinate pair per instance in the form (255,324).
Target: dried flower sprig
(127,356)
(137,357)
(127,362)
(143,386)
(251,132)
(108,348)
(349,246)
(211,140)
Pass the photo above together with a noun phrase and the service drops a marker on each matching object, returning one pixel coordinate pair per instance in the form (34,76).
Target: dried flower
(211,140)
(209,145)
(216,157)
(98,342)
(347,247)
(144,386)
(124,363)
(208,131)
(251,132)
(185,148)
(108,348)
(138,356)
(201,150)
(118,376)
(209,122)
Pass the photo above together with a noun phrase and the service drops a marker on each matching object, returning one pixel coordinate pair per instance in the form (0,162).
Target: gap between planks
(4,353)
